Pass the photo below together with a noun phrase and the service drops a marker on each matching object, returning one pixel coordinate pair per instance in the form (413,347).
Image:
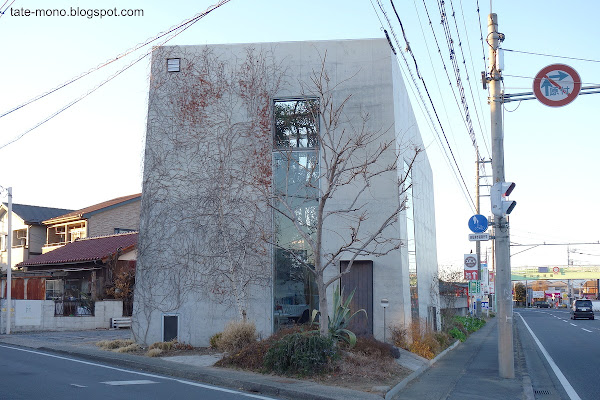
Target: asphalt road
(30,374)
(574,346)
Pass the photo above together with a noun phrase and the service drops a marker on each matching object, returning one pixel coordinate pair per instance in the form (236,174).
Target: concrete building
(242,143)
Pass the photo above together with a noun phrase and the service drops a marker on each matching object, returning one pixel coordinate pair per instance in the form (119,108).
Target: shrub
(154,352)
(164,346)
(237,335)
(400,336)
(214,340)
(251,357)
(300,354)
(471,324)
(457,334)
(443,338)
(370,346)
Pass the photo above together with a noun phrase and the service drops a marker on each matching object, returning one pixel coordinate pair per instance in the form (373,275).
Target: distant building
(119,215)
(28,231)
(224,122)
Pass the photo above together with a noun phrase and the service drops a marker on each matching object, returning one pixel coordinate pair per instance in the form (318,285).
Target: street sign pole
(506,358)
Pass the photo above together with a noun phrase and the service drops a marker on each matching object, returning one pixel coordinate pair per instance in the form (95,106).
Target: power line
(174,33)
(187,23)
(7,7)
(551,55)
(465,189)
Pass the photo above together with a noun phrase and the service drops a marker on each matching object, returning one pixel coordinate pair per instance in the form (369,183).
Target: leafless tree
(353,158)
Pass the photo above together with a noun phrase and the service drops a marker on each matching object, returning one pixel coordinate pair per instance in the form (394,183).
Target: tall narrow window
(411,243)
(295,185)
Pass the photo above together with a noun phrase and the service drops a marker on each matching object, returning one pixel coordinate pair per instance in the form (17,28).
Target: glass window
(53,289)
(411,244)
(296,123)
(295,185)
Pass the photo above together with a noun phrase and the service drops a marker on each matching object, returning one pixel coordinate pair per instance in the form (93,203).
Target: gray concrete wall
(38,315)
(363,69)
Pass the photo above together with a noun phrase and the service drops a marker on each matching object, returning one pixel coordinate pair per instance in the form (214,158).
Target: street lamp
(384,304)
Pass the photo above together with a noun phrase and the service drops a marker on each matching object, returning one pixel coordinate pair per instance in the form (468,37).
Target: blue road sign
(478,223)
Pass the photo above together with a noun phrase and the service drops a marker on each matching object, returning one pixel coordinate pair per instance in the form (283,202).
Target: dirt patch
(363,372)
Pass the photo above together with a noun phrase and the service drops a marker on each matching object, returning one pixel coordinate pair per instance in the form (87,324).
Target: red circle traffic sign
(556,85)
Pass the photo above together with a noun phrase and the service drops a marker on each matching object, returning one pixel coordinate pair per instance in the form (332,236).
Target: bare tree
(353,158)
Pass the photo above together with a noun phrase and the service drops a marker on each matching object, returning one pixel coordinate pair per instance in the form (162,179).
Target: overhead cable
(182,26)
(174,33)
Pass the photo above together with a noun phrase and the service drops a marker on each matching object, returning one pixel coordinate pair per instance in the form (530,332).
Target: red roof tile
(84,250)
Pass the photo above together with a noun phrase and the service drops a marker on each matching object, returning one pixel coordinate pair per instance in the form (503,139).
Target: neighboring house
(28,231)
(82,271)
(82,285)
(107,218)
(227,123)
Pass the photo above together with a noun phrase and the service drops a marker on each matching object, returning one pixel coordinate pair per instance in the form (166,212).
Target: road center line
(573,324)
(561,377)
(206,386)
(586,330)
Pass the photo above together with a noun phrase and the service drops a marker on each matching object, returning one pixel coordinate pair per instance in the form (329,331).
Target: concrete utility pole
(506,358)
(477,243)
(9,261)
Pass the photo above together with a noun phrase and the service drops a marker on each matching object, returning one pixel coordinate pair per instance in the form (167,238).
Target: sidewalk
(469,371)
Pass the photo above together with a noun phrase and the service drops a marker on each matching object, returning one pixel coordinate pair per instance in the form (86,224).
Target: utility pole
(506,357)
(477,243)
(9,261)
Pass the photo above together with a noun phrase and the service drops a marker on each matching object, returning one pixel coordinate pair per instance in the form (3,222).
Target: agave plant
(341,317)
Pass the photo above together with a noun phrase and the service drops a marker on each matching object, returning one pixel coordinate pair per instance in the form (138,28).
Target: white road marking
(76,385)
(585,330)
(125,383)
(573,324)
(219,389)
(563,380)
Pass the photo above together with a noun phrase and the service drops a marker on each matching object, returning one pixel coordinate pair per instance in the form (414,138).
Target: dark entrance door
(361,278)
(170,327)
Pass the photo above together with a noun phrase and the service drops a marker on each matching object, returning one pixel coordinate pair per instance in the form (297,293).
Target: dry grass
(419,339)
(154,352)
(114,344)
(236,336)
(132,348)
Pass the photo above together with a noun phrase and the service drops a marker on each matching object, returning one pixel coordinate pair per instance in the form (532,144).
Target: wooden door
(360,278)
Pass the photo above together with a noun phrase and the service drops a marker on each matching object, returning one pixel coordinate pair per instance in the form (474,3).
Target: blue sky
(93,151)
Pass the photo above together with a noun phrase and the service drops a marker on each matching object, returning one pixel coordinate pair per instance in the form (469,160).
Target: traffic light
(501,206)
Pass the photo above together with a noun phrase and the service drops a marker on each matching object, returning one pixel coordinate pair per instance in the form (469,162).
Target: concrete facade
(365,72)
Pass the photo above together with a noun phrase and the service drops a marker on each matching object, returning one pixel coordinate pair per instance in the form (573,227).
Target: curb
(396,389)
(277,387)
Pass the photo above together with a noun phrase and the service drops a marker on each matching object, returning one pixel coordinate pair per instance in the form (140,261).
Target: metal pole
(477,243)
(506,357)
(9,266)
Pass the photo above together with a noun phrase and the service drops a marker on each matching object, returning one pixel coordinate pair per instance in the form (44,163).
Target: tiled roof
(35,214)
(85,250)
(95,208)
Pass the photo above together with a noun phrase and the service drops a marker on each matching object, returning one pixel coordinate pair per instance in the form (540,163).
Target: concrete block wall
(104,311)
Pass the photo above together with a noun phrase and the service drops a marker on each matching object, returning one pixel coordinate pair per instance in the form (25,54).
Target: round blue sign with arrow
(478,223)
